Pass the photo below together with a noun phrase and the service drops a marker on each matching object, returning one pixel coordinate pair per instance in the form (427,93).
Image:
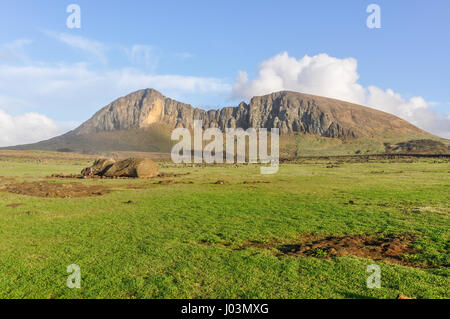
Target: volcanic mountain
(309,125)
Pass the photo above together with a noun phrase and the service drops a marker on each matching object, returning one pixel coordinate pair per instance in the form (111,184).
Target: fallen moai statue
(131,167)
(99,167)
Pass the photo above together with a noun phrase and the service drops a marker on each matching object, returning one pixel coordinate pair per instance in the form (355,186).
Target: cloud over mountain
(73,90)
(336,78)
(27,128)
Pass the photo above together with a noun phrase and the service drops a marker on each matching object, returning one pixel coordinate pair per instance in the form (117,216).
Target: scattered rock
(221,182)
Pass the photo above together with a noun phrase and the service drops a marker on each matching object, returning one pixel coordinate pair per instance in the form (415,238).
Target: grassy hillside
(153,139)
(311,145)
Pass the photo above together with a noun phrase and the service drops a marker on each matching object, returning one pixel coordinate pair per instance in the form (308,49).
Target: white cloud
(74,92)
(415,110)
(12,103)
(27,128)
(93,48)
(145,55)
(321,75)
(14,51)
(66,82)
(336,78)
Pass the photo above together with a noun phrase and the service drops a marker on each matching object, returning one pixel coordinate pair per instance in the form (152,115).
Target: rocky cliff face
(291,112)
(143,121)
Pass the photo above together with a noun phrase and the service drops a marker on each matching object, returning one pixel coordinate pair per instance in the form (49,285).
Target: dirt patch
(63,175)
(5,180)
(92,176)
(389,248)
(66,190)
(14,205)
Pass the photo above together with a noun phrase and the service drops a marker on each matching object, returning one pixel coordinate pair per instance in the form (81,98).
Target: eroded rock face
(289,111)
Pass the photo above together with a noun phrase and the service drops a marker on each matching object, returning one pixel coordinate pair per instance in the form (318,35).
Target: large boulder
(133,167)
(99,167)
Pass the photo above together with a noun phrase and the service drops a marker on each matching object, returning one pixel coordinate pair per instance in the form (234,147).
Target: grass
(177,241)
(312,145)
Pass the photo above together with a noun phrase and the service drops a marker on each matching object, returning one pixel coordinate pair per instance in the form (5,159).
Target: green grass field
(180,240)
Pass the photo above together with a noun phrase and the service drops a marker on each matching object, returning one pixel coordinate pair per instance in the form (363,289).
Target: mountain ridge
(290,111)
(151,116)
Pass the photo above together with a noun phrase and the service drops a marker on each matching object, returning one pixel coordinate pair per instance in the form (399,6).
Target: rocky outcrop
(291,112)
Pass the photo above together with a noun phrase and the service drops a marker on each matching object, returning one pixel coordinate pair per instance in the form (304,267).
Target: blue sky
(193,51)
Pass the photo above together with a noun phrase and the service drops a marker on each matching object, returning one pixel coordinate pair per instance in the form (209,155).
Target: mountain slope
(143,120)
(289,111)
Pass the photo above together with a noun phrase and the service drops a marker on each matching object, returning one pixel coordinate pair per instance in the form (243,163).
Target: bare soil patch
(4,180)
(66,190)
(389,248)
(81,176)
(14,205)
